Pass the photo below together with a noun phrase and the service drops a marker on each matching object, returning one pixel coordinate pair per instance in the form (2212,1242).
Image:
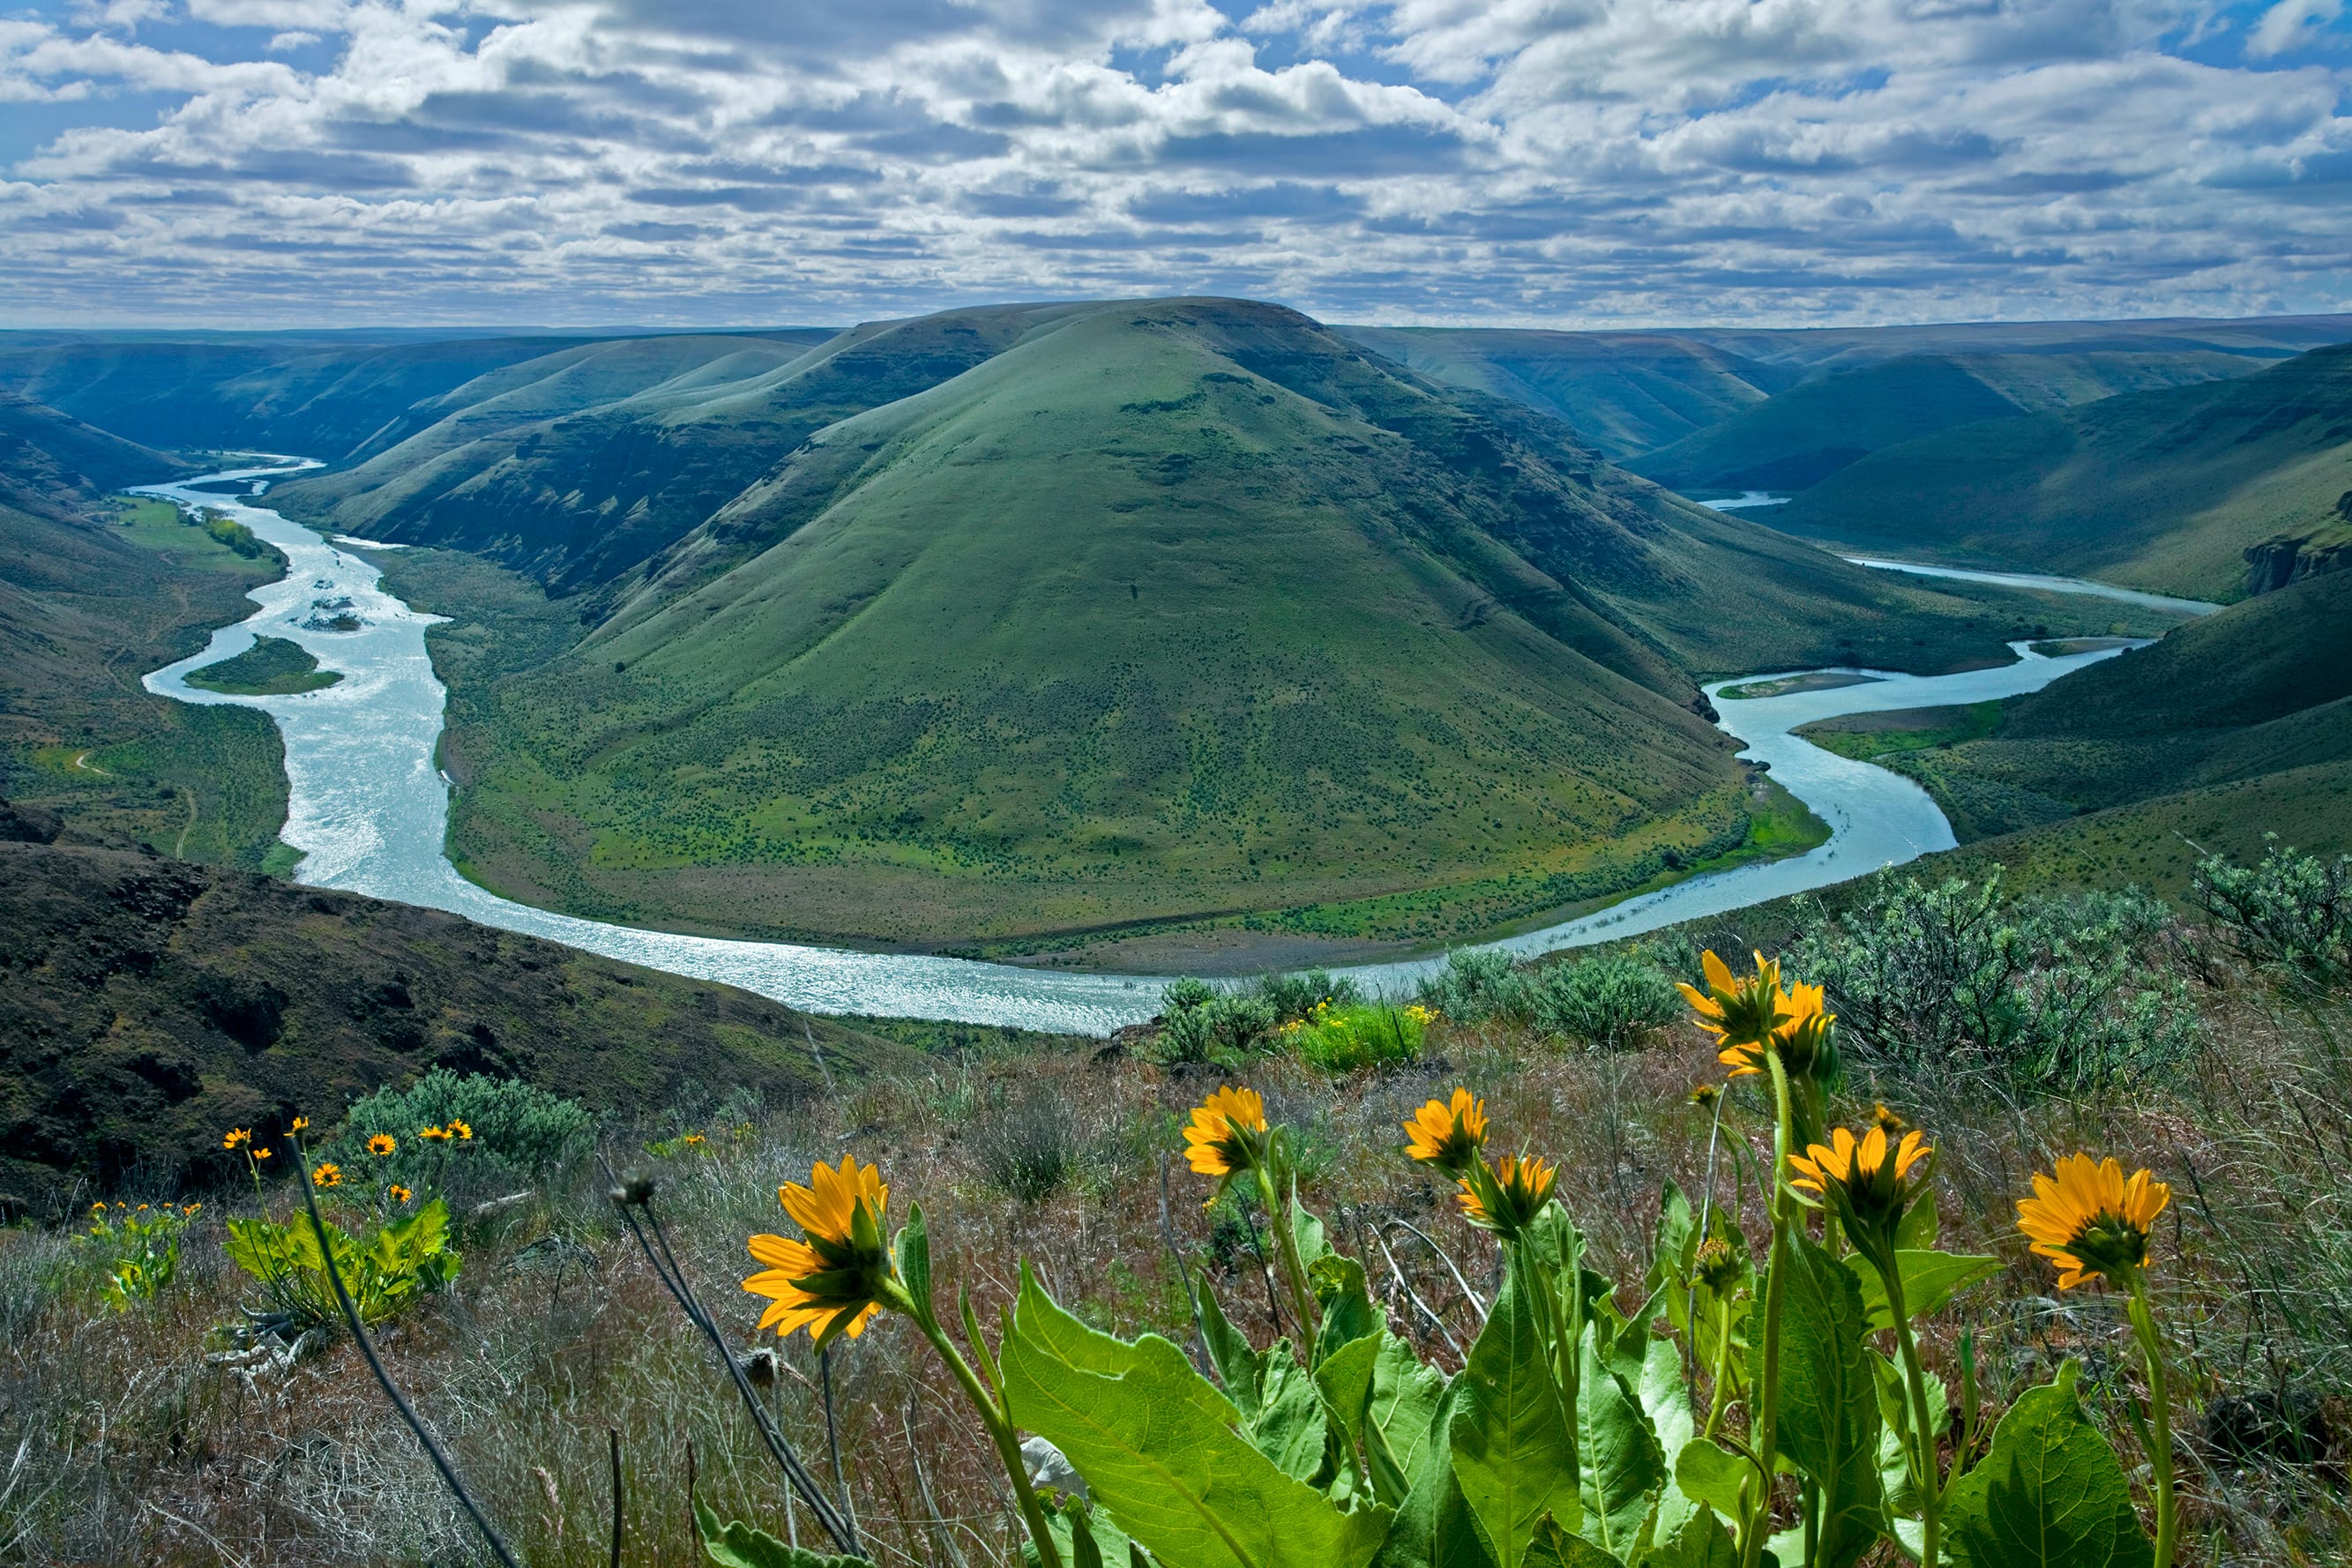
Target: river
(370,809)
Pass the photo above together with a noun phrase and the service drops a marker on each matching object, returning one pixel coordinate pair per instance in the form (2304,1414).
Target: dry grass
(132,1441)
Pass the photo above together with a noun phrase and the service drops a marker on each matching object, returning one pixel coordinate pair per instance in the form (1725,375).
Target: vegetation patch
(272,667)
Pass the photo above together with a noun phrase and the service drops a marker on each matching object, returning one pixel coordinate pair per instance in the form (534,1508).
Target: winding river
(370,809)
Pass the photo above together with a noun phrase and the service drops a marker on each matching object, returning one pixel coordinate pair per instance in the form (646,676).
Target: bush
(1341,1039)
(1026,1146)
(134,1252)
(1611,1001)
(1294,996)
(2055,994)
(515,1124)
(2292,914)
(1203,1025)
(1477,984)
(399,1262)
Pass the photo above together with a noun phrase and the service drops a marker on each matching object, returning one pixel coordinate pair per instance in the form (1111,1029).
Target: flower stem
(1931,1492)
(1763,1432)
(1722,1366)
(993,1416)
(2159,1399)
(1285,1245)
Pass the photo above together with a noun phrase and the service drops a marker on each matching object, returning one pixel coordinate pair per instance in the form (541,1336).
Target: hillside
(147,1005)
(93,594)
(576,465)
(2231,727)
(1177,611)
(2210,491)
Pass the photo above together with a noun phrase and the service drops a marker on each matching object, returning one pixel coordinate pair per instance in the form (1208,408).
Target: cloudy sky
(1536,162)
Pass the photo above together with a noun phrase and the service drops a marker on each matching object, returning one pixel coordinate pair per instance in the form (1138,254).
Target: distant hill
(2211,491)
(147,1006)
(1168,610)
(320,395)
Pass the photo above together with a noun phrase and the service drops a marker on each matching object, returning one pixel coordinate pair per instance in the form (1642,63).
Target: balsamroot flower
(1867,1178)
(1720,1267)
(433,1134)
(1740,1011)
(301,1125)
(2091,1222)
(328,1175)
(1804,1036)
(460,1131)
(382,1143)
(1448,1134)
(1506,1198)
(1228,1134)
(834,1280)
(398,1194)
(237,1137)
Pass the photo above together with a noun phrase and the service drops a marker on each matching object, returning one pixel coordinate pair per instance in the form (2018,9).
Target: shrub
(2290,914)
(1611,1001)
(1203,1025)
(1341,1039)
(1477,984)
(514,1124)
(1295,995)
(2055,994)
(1026,1143)
(135,1252)
(399,1262)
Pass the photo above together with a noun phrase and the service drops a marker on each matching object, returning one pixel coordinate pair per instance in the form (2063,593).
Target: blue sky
(1559,163)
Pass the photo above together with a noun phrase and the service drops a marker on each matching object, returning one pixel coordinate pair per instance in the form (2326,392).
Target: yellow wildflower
(832,1281)
(2091,1222)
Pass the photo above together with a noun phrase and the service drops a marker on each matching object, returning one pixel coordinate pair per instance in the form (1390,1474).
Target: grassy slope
(2162,489)
(1173,611)
(148,1005)
(92,596)
(1624,392)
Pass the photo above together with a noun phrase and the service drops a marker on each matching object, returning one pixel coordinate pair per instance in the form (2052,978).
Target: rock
(1047,1467)
(27,825)
(2290,558)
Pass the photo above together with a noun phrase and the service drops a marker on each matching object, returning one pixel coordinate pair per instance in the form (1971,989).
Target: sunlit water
(370,809)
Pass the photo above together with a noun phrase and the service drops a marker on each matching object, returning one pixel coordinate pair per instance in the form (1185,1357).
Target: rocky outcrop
(2287,558)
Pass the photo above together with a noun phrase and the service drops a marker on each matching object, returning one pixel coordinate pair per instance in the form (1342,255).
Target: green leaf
(1715,1477)
(1829,1399)
(1513,1450)
(1929,1279)
(914,1253)
(1239,1367)
(2050,1495)
(1346,1306)
(1897,1471)
(1290,1428)
(1674,1247)
(1404,1397)
(1345,1380)
(1666,1400)
(1700,1543)
(1434,1528)
(1307,1231)
(1917,1230)
(1621,1470)
(734,1544)
(1552,1547)
(1158,1450)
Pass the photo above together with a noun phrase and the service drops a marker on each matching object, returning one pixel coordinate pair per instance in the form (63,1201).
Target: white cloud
(1594,160)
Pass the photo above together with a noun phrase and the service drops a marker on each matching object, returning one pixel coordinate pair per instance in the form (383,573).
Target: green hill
(148,1005)
(2209,491)
(1626,392)
(1180,610)
(2231,727)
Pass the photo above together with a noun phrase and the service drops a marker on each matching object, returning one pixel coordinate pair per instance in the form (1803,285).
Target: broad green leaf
(1897,1474)
(1159,1452)
(1929,1279)
(1552,1547)
(1346,1306)
(1673,1247)
(1307,1231)
(914,1255)
(1290,1427)
(1513,1450)
(1666,1400)
(1917,1230)
(1700,1543)
(1087,1537)
(2050,1495)
(1621,1469)
(1241,1368)
(1434,1528)
(1345,1380)
(1829,1399)
(1404,1396)
(1715,1477)
(734,1544)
